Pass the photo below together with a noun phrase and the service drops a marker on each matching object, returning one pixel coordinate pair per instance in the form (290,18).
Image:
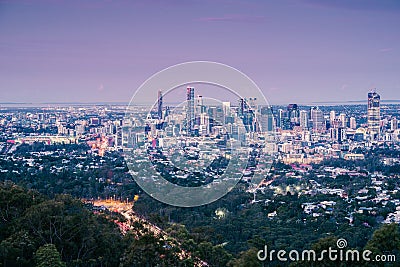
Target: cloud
(233,18)
(384,50)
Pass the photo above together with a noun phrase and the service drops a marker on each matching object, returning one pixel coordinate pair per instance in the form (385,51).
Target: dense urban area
(67,190)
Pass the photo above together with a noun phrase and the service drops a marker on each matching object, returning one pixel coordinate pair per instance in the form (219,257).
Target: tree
(385,240)
(246,259)
(48,256)
(213,255)
(150,250)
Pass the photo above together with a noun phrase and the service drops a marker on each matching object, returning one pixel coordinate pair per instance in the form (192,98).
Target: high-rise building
(343,120)
(374,114)
(252,102)
(279,118)
(336,123)
(394,124)
(304,119)
(266,119)
(353,123)
(337,134)
(226,107)
(204,124)
(293,115)
(199,105)
(247,112)
(332,116)
(242,105)
(190,119)
(317,118)
(160,105)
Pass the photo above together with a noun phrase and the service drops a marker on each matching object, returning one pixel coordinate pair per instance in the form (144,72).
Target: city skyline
(296,52)
(199,132)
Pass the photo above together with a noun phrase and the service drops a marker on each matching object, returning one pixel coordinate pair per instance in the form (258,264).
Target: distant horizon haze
(302,51)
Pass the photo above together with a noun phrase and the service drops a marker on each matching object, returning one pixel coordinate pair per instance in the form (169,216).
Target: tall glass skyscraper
(304,119)
(160,105)
(317,117)
(190,110)
(293,115)
(374,114)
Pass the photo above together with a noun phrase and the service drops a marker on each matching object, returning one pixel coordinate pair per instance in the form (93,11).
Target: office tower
(317,118)
(167,111)
(343,120)
(246,112)
(242,105)
(279,118)
(336,123)
(304,119)
(292,115)
(332,116)
(394,125)
(219,116)
(190,110)
(226,107)
(292,110)
(199,105)
(204,124)
(266,119)
(159,105)
(212,112)
(341,135)
(338,134)
(252,103)
(374,114)
(353,123)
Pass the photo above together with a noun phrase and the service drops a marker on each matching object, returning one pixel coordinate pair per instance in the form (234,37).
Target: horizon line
(354,102)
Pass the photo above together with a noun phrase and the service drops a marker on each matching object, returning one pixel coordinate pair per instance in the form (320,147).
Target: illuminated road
(126,210)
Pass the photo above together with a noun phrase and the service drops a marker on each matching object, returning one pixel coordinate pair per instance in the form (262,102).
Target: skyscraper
(247,111)
(394,125)
(199,105)
(242,105)
(279,118)
(304,119)
(353,123)
(190,110)
(332,116)
(343,120)
(374,114)
(252,103)
(160,105)
(293,115)
(226,107)
(317,118)
(266,119)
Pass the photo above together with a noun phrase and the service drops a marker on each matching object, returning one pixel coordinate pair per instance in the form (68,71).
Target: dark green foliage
(385,241)
(30,221)
(48,256)
(246,259)
(48,232)
(150,250)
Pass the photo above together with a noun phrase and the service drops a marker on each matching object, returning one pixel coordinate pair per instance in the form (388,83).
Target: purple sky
(296,51)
